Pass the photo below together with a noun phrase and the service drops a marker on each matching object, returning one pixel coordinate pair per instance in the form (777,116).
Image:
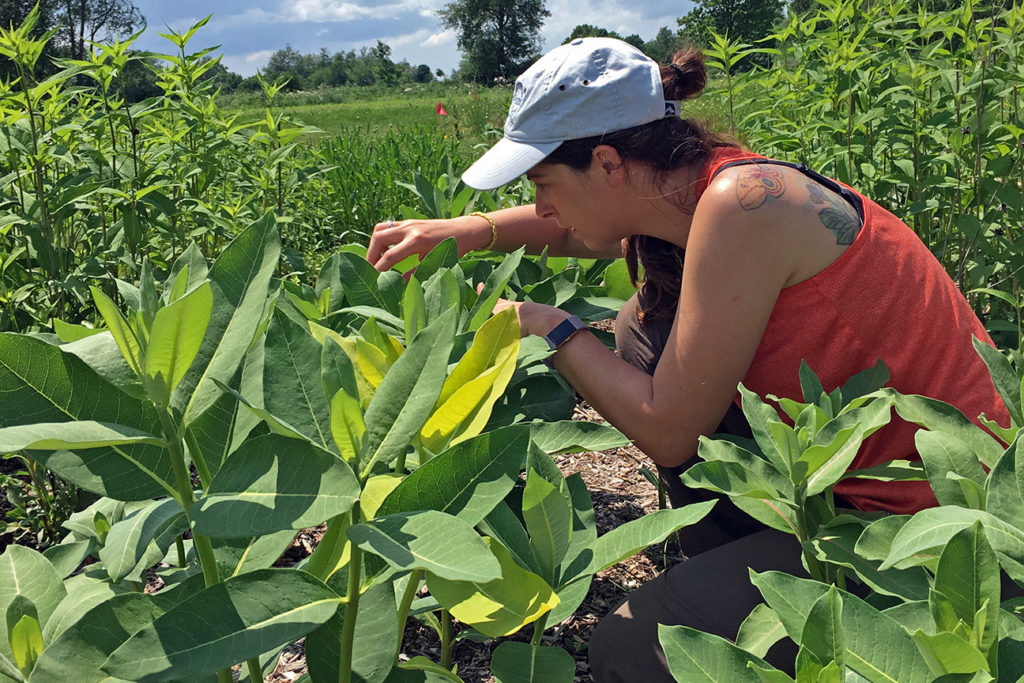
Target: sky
(249,31)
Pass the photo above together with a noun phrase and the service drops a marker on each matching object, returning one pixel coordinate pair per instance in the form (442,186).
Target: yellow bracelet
(494,230)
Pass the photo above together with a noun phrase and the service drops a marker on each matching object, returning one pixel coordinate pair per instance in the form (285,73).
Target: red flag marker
(440,110)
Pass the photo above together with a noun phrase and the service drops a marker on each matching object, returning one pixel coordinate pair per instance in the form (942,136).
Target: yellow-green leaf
(347,426)
(119,329)
(177,333)
(491,344)
(372,362)
(500,607)
(26,642)
(375,491)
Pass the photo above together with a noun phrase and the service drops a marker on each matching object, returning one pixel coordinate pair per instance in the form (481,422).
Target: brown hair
(664,145)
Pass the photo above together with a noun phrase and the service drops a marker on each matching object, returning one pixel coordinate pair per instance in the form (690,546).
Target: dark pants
(711,591)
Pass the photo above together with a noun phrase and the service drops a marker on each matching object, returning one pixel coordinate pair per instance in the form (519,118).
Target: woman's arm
(516,227)
(737,261)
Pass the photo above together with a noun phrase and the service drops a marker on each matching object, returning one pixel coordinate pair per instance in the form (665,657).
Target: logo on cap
(518,95)
(671,109)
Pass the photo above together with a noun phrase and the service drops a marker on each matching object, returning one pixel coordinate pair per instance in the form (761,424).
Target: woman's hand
(534,318)
(393,241)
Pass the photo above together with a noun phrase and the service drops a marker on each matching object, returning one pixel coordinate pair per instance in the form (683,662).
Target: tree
(498,38)
(591,31)
(745,20)
(96,20)
(387,72)
(664,45)
(423,74)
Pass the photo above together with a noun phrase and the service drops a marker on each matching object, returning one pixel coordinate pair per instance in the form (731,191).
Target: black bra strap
(844,192)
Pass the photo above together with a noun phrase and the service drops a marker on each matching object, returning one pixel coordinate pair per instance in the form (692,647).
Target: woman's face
(577,201)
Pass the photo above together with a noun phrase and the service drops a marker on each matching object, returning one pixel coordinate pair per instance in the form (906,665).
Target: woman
(781,265)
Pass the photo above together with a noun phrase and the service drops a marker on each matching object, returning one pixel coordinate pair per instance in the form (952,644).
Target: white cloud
(439,38)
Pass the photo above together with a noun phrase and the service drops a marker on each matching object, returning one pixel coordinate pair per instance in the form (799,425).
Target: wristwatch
(563,331)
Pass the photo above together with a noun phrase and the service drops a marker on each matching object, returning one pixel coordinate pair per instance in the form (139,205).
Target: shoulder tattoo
(755,183)
(834,212)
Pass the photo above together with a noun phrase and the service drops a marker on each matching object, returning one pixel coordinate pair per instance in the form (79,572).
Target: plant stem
(446,639)
(406,605)
(255,672)
(538,629)
(197,457)
(179,545)
(355,566)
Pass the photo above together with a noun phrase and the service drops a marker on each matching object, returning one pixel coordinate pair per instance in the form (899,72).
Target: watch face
(563,331)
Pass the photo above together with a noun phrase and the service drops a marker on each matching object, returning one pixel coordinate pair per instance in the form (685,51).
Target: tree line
(498,40)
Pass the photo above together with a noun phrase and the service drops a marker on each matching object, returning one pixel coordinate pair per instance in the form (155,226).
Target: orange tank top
(885,297)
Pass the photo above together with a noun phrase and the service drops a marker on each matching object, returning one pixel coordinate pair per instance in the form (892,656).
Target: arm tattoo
(755,184)
(836,214)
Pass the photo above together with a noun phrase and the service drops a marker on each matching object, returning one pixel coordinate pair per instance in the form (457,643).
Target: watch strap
(563,331)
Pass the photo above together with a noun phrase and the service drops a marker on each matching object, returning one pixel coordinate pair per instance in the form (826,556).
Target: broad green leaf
(374,644)
(759,415)
(239,282)
(968,575)
(630,538)
(584,522)
(27,574)
(1005,498)
(943,418)
(696,656)
(360,280)
(570,597)
(78,653)
(187,271)
(41,383)
(942,454)
(574,436)
(336,369)
(548,518)
(467,480)
(292,387)
(334,550)
(499,607)
(142,537)
(865,382)
(83,593)
(823,635)
(175,339)
(428,540)
(414,309)
(406,397)
(921,539)
(875,541)
(444,255)
(267,608)
(730,465)
(55,436)
(492,289)
(877,647)
(760,630)
(947,653)
(810,385)
(503,525)
(836,544)
(67,555)
(373,363)
(492,343)
(839,452)
(514,662)
(347,427)
(240,555)
(440,293)
(421,670)
(119,328)
(219,429)
(1004,377)
(354,384)
(273,483)
(101,354)
(8,669)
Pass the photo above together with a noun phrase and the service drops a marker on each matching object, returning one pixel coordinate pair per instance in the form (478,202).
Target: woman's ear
(610,163)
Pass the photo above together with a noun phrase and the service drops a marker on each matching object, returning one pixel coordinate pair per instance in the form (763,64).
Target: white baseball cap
(588,87)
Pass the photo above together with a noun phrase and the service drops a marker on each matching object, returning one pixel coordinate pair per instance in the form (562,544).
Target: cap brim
(505,162)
